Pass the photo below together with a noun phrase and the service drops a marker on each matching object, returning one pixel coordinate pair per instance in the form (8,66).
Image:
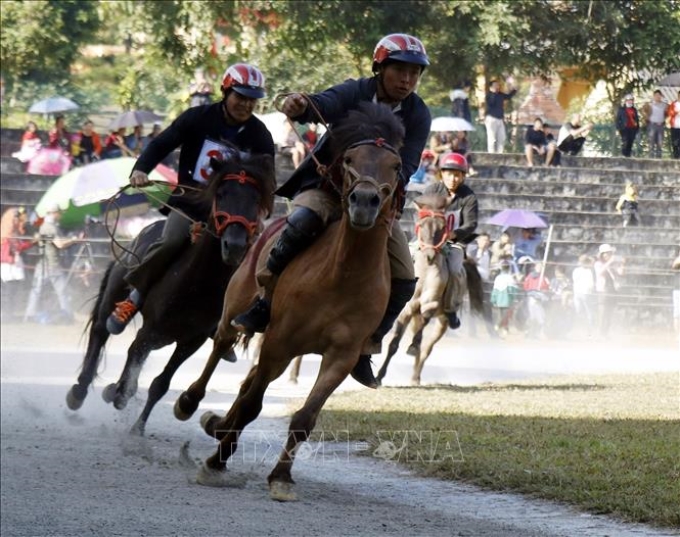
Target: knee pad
(306,222)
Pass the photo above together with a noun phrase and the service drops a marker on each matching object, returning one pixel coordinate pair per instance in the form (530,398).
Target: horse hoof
(282,491)
(184,407)
(413,350)
(75,397)
(109,393)
(293,381)
(209,477)
(137,429)
(119,403)
(415,382)
(208,420)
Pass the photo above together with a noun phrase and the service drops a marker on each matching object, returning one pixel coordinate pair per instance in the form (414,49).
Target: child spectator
(627,206)
(87,146)
(503,297)
(30,143)
(583,280)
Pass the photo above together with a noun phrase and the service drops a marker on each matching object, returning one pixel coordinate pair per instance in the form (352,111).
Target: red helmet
(400,48)
(245,79)
(453,161)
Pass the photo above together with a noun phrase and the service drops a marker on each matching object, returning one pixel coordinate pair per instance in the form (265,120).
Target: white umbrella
(450,124)
(132,118)
(53,105)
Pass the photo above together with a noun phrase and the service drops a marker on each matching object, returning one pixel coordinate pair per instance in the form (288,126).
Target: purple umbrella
(517,218)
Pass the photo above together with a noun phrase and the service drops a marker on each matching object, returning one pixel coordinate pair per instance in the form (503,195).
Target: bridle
(426,213)
(221,219)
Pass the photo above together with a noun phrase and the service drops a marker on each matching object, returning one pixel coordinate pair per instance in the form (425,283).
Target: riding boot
(304,225)
(452,300)
(401,292)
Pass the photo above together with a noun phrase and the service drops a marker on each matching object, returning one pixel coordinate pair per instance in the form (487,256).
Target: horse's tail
(475,288)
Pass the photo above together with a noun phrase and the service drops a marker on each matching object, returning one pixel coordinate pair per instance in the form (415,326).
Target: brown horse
(427,302)
(329,299)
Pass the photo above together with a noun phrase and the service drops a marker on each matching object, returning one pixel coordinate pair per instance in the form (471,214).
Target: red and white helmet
(245,79)
(453,161)
(400,48)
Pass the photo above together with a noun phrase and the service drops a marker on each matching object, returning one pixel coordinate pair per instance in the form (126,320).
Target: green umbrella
(84,191)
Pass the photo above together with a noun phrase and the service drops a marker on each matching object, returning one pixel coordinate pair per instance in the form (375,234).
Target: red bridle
(222,219)
(425,213)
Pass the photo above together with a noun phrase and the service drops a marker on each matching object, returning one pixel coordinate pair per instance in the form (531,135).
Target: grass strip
(607,444)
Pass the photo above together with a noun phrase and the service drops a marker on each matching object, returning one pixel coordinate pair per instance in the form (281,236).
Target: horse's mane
(258,166)
(368,122)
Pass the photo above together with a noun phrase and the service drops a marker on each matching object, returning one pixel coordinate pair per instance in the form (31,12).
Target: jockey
(398,62)
(461,221)
(201,132)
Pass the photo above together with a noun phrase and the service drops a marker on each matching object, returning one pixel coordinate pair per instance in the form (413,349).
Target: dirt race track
(67,473)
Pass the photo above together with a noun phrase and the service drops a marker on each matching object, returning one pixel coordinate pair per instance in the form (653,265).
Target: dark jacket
(460,105)
(622,120)
(333,104)
(464,201)
(494,103)
(534,137)
(190,130)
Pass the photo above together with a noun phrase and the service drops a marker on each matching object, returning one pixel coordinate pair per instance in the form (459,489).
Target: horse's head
(240,193)
(366,147)
(431,225)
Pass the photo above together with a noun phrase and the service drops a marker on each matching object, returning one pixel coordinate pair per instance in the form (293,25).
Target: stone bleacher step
(480,159)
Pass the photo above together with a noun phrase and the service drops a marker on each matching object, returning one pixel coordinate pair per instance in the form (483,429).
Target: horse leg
(393,347)
(160,385)
(188,401)
(244,410)
(120,392)
(442,325)
(295,370)
(335,366)
(95,345)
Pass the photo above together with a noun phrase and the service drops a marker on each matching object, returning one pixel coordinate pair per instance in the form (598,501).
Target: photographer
(51,242)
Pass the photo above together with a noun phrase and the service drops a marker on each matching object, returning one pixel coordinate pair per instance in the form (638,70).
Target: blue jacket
(333,104)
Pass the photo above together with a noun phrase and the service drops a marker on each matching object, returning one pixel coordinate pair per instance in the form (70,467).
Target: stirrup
(254,320)
(123,313)
(363,372)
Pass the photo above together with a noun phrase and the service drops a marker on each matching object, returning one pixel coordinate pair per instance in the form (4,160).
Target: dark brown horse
(427,303)
(329,299)
(184,306)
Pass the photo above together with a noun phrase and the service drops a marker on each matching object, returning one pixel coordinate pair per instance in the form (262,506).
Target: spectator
(495,114)
(460,102)
(114,146)
(572,136)
(675,265)
(503,296)
(480,251)
(608,270)
(440,142)
(133,141)
(52,243)
(503,248)
(537,287)
(155,131)
(627,206)
(628,124)
(30,143)
(12,228)
(59,137)
(87,146)
(426,169)
(537,143)
(526,244)
(654,114)
(200,90)
(310,136)
(674,123)
(294,147)
(583,281)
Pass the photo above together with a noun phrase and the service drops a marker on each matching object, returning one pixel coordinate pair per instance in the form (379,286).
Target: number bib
(452,220)
(210,149)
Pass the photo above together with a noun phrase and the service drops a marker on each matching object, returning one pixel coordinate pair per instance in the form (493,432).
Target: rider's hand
(294,105)
(139,179)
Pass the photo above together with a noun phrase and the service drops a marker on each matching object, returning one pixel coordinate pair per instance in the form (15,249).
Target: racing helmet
(453,161)
(400,48)
(245,79)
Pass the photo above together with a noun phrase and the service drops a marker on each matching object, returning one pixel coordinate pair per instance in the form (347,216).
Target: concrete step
(518,159)
(11,165)
(9,147)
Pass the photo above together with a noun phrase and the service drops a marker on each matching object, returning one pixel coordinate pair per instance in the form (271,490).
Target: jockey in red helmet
(398,62)
(461,222)
(198,131)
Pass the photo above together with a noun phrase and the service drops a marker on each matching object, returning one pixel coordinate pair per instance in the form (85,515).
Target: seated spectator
(426,169)
(134,141)
(114,145)
(293,146)
(537,143)
(440,142)
(87,146)
(503,248)
(59,137)
(572,135)
(30,143)
(526,244)
(146,140)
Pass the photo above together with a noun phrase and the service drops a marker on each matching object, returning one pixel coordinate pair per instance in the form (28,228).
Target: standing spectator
(537,143)
(572,135)
(89,147)
(52,242)
(155,131)
(133,141)
(59,137)
(503,297)
(12,228)
(294,147)
(495,114)
(537,287)
(627,206)
(654,113)
(628,124)
(480,251)
(460,102)
(30,143)
(675,265)
(200,90)
(608,270)
(674,121)
(583,281)
(502,249)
